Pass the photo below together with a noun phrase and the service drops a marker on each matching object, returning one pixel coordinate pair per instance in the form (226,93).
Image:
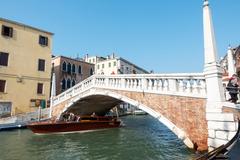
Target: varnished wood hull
(85,125)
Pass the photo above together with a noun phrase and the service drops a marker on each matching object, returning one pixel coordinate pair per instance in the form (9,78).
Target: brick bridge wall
(188,114)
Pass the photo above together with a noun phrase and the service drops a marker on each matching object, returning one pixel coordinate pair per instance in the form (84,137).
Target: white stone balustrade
(191,85)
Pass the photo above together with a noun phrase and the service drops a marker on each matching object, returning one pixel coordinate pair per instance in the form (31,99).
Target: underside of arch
(100,102)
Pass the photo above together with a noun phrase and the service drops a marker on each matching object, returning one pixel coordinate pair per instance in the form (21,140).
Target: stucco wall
(22,73)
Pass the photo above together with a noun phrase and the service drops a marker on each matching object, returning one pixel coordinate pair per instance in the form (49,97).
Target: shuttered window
(2,85)
(41,64)
(3,59)
(43,40)
(40,88)
(7,31)
(80,69)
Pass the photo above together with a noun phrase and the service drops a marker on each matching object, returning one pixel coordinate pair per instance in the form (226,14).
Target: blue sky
(161,35)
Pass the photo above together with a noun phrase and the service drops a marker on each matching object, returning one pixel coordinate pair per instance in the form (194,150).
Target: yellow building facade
(25,67)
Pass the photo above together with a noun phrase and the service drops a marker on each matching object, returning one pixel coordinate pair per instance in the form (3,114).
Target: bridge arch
(180,133)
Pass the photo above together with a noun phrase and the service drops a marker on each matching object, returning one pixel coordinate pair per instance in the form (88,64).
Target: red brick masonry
(188,114)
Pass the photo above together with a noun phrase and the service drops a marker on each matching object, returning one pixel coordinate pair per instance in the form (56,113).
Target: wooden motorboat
(224,151)
(84,123)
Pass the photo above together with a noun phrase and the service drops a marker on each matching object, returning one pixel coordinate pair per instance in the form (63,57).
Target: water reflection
(142,138)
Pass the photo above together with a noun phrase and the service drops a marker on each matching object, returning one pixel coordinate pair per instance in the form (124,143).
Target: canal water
(143,138)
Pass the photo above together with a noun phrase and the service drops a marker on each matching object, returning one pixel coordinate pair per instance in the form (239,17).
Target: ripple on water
(142,138)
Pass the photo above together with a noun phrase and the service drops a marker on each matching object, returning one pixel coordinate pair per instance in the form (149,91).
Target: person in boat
(93,114)
(78,118)
(71,117)
(232,88)
(65,116)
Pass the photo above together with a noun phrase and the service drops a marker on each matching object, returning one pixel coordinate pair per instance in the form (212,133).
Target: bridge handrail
(191,84)
(70,90)
(199,75)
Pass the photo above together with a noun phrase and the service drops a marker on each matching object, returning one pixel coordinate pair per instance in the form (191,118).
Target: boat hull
(55,127)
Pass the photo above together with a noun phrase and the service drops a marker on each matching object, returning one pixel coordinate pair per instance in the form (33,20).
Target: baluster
(152,83)
(106,82)
(155,84)
(144,84)
(135,84)
(99,81)
(165,85)
(139,84)
(115,83)
(127,83)
(131,83)
(122,83)
(188,86)
(181,85)
(148,86)
(195,89)
(110,82)
(160,85)
(202,87)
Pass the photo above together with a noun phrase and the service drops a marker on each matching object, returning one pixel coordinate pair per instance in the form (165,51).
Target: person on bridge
(232,88)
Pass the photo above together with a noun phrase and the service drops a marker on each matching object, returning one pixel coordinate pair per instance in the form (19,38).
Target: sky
(165,36)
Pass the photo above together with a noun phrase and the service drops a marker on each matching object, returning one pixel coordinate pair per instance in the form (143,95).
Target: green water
(143,138)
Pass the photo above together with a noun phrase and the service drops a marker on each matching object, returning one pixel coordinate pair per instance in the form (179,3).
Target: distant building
(114,65)
(226,62)
(25,67)
(70,71)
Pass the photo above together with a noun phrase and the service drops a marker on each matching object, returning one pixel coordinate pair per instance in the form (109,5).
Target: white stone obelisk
(53,94)
(212,70)
(231,67)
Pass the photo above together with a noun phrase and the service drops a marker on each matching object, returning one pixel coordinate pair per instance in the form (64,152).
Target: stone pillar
(218,122)
(53,94)
(231,67)
(212,70)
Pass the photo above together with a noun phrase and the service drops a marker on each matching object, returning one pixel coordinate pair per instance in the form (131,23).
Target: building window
(68,83)
(7,31)
(41,64)
(63,83)
(102,65)
(43,40)
(89,60)
(69,68)
(80,69)
(114,63)
(73,68)
(40,88)
(3,59)
(91,71)
(5,109)
(93,60)
(109,64)
(98,66)
(2,85)
(64,66)
(73,82)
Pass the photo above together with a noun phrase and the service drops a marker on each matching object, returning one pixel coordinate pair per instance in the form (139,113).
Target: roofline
(70,59)
(120,58)
(24,25)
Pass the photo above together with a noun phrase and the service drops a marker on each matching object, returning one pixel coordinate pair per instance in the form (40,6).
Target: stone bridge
(191,105)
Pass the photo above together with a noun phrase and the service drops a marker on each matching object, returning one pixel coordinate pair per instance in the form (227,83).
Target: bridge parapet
(185,84)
